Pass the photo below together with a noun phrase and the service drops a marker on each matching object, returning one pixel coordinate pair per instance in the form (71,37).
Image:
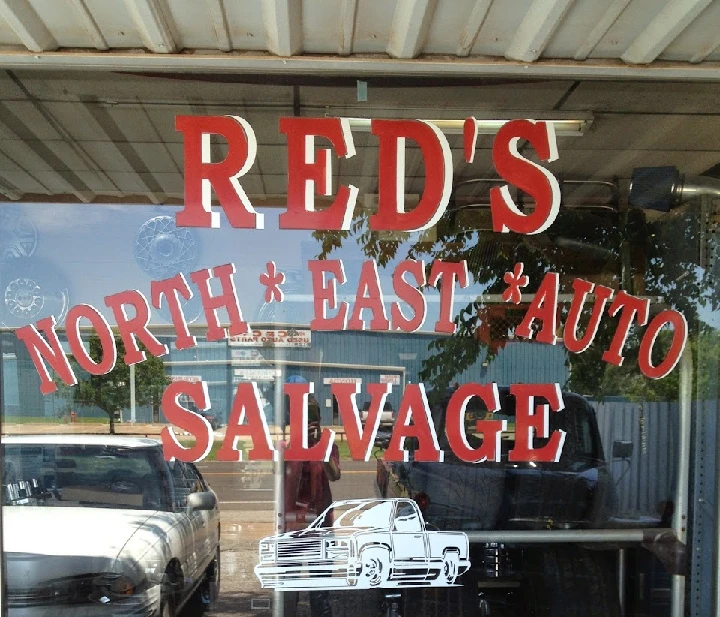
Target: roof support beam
(10,193)
(348,13)
(93,30)
(101,121)
(536,29)
(23,178)
(37,154)
(663,30)
(217,11)
(606,21)
(153,24)
(28,26)
(283,26)
(706,51)
(410,27)
(53,180)
(472,27)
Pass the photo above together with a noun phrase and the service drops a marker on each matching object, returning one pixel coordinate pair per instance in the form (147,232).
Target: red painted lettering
(227,300)
(325,294)
(50,351)
(435,151)
(526,175)
(491,429)
(246,409)
(134,328)
(679,338)
(308,175)
(527,422)
(201,175)
(105,336)
(414,421)
(186,420)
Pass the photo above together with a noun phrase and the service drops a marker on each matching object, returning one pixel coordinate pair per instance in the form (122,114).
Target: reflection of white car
(366,543)
(103,525)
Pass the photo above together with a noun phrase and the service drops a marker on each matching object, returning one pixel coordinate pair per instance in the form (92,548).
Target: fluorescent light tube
(563,128)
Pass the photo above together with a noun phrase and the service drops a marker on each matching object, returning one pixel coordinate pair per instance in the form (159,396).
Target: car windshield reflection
(90,476)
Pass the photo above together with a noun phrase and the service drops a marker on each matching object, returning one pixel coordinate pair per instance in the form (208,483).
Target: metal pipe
(279,484)
(132,394)
(3,598)
(622,566)
(696,186)
(679,522)
(716,554)
(575,127)
(663,188)
(373,65)
(562,536)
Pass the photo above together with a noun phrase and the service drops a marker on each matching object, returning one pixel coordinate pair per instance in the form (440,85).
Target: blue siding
(362,352)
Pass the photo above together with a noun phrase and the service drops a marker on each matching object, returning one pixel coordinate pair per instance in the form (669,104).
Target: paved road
(250,486)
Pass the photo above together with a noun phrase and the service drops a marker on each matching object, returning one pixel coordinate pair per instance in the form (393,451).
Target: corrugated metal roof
(589,36)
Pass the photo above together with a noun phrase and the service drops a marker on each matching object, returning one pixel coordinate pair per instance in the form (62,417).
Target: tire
(570,582)
(450,565)
(205,596)
(213,578)
(375,567)
(171,590)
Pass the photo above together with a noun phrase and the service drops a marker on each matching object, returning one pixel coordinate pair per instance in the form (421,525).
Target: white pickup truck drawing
(363,543)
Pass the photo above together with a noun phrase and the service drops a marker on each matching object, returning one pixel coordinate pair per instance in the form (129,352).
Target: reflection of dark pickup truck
(574,493)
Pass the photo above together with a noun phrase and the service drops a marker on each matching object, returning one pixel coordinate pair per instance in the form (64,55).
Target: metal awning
(640,39)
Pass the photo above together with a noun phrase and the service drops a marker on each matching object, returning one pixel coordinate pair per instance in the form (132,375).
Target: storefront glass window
(439,416)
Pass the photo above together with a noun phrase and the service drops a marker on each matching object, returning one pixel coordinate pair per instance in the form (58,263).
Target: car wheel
(206,594)
(213,578)
(450,567)
(170,590)
(375,566)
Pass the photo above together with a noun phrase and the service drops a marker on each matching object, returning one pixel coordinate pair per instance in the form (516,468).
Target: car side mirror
(622,449)
(200,501)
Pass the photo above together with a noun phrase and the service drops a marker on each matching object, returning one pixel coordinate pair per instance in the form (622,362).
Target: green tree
(617,248)
(111,392)
(628,380)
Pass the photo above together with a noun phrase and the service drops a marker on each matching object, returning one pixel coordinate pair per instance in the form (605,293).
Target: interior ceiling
(109,136)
